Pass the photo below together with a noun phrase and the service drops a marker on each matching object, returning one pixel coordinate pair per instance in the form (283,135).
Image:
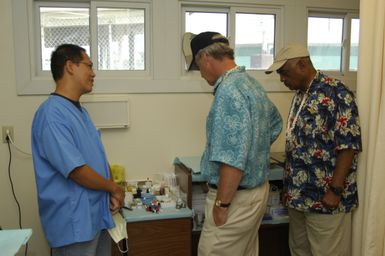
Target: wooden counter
(166,233)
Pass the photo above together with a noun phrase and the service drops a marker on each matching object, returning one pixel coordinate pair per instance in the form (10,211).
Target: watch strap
(336,190)
(219,203)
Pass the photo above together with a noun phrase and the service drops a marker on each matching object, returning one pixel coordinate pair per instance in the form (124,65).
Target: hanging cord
(13,189)
(9,139)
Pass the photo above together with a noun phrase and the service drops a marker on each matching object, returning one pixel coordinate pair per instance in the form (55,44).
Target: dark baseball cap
(195,43)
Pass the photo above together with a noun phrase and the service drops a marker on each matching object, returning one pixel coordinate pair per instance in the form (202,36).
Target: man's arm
(87,177)
(343,164)
(275,124)
(115,204)
(229,179)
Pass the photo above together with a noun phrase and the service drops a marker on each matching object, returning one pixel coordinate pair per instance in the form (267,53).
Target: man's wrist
(219,203)
(337,190)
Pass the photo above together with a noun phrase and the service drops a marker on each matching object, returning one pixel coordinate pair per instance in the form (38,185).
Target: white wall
(162,126)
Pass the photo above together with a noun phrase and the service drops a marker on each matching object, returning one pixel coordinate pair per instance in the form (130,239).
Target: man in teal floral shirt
(241,125)
(323,139)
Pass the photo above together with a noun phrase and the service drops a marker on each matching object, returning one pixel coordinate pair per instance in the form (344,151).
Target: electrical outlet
(7,130)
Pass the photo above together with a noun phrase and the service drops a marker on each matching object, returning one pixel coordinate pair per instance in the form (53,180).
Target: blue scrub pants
(99,246)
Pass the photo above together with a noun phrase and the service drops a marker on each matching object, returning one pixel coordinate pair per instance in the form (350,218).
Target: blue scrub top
(63,138)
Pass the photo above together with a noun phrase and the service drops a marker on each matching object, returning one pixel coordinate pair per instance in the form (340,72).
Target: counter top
(140,214)
(11,240)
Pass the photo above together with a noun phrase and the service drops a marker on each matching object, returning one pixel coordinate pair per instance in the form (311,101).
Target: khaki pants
(319,234)
(239,235)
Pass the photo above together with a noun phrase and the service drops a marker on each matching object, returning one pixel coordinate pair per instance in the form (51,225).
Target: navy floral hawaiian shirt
(326,122)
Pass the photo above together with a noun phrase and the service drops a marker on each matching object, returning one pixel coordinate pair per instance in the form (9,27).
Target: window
(200,21)
(354,37)
(135,45)
(252,31)
(327,38)
(119,39)
(325,42)
(254,40)
(62,25)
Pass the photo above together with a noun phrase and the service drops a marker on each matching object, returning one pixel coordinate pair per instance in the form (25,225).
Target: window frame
(36,62)
(93,23)
(346,16)
(166,60)
(94,43)
(232,10)
(349,17)
(32,80)
(195,74)
(278,26)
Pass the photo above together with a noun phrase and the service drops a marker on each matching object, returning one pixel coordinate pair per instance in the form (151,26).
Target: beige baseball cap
(291,51)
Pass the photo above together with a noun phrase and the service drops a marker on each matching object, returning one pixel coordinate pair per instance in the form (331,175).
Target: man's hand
(331,200)
(117,196)
(229,178)
(114,205)
(220,215)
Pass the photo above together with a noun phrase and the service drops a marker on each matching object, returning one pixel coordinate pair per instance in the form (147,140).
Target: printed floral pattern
(240,128)
(328,122)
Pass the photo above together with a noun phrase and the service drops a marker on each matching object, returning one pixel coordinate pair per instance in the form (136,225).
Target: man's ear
(206,58)
(69,67)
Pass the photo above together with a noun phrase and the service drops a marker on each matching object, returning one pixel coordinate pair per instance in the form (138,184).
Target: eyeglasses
(90,65)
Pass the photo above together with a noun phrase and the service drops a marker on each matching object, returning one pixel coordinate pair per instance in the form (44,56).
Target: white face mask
(119,232)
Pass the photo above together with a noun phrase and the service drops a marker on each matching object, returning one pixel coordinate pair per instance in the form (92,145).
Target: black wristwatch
(336,190)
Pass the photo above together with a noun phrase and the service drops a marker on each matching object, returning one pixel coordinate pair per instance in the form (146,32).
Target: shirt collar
(226,74)
(76,103)
(316,78)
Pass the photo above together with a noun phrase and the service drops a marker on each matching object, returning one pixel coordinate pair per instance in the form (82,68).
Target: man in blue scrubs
(76,195)
(241,125)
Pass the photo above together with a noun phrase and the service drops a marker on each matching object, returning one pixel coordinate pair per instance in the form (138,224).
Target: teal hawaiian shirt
(241,125)
(326,123)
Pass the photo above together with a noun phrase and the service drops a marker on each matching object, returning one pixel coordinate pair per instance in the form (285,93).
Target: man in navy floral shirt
(323,139)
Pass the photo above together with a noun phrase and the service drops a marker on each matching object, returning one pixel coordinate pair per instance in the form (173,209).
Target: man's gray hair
(217,51)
